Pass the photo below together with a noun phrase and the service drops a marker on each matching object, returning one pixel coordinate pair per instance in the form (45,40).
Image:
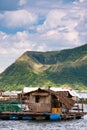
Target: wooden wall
(43,104)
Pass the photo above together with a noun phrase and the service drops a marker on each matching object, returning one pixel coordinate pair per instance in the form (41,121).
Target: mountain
(55,68)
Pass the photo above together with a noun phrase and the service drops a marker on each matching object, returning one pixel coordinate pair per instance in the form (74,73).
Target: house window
(37,99)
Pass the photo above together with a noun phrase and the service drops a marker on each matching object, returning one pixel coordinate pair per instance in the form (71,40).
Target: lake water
(80,124)
(77,124)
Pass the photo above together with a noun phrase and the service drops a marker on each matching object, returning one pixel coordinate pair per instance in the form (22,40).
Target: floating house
(47,101)
(45,104)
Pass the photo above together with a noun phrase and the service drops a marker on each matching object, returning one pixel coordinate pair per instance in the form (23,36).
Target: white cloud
(53,20)
(18,18)
(58,26)
(81,1)
(66,25)
(61,26)
(22,2)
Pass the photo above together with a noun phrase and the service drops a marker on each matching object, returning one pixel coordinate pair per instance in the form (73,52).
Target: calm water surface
(80,124)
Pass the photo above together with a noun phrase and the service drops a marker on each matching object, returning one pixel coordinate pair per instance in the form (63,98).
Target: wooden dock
(39,116)
(46,105)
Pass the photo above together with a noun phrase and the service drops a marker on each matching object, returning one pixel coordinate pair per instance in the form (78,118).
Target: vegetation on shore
(66,68)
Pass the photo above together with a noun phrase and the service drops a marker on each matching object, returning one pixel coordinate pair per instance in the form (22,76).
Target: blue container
(13,117)
(26,118)
(55,117)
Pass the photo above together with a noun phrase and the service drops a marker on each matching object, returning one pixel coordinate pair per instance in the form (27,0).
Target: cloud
(39,4)
(66,26)
(53,20)
(16,43)
(41,25)
(18,18)
(22,2)
(58,25)
(81,1)
(60,29)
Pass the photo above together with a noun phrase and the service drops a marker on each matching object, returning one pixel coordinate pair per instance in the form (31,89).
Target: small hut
(47,101)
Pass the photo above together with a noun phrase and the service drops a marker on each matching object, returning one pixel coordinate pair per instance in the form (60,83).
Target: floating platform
(40,116)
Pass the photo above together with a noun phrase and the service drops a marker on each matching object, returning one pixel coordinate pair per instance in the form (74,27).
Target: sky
(40,25)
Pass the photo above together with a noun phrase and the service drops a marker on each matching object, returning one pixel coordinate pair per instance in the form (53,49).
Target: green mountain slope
(56,68)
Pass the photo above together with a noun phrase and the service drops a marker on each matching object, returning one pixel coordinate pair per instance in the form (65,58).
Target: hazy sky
(40,25)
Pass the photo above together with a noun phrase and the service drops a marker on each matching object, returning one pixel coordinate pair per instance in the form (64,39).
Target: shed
(42,100)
